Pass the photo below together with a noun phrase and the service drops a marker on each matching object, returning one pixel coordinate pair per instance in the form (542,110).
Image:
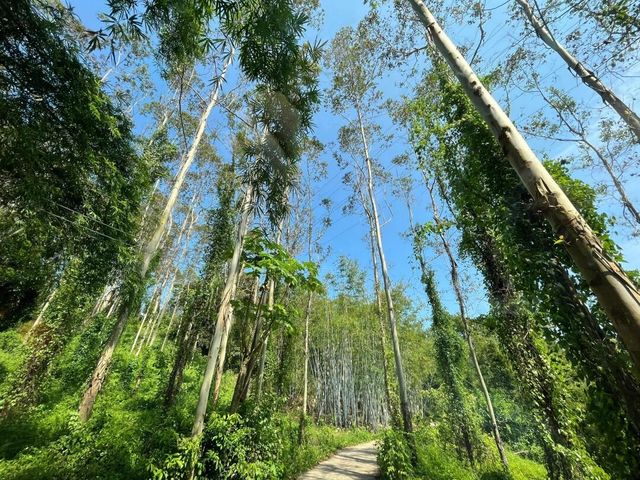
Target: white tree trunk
(402,385)
(616,293)
(43,311)
(149,250)
(587,76)
(224,310)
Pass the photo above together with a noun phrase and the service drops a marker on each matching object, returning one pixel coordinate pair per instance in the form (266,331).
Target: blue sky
(348,234)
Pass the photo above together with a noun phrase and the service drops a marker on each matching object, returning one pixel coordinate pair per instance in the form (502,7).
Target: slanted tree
(616,292)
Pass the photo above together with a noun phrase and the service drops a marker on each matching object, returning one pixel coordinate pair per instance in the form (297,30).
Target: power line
(85,227)
(91,218)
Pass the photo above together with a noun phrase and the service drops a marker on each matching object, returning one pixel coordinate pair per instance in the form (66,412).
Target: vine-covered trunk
(592,345)
(616,293)
(248,363)
(457,288)
(186,342)
(148,251)
(224,312)
(536,379)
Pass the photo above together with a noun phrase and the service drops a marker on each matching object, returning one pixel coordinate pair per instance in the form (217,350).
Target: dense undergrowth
(131,436)
(435,460)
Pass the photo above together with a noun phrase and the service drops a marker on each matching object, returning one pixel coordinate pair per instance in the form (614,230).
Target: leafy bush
(435,460)
(394,457)
(243,447)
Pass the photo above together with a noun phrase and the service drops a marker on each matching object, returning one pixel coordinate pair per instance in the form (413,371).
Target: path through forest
(356,462)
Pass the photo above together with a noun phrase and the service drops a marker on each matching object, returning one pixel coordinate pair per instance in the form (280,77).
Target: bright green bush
(244,447)
(394,457)
(434,460)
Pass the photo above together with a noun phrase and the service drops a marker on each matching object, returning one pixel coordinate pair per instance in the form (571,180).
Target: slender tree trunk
(617,294)
(224,311)
(383,336)
(305,374)
(455,280)
(261,367)
(169,290)
(222,356)
(587,76)
(395,342)
(149,250)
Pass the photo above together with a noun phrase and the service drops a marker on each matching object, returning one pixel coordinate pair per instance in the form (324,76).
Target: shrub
(394,457)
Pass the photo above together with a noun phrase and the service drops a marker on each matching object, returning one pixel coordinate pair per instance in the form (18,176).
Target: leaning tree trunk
(42,312)
(395,342)
(616,293)
(224,313)
(587,76)
(455,280)
(100,372)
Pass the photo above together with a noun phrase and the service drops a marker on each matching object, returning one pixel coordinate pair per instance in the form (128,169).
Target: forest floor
(356,462)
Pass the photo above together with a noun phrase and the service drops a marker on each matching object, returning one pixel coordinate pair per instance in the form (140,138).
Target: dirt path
(357,462)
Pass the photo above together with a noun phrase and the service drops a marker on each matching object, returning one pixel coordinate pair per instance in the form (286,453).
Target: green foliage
(258,443)
(72,183)
(243,447)
(394,457)
(450,360)
(528,274)
(435,460)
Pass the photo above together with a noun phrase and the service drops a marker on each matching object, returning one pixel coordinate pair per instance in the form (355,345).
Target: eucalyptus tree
(494,212)
(344,357)
(438,228)
(449,356)
(616,292)
(281,111)
(148,251)
(587,76)
(355,69)
(202,299)
(615,29)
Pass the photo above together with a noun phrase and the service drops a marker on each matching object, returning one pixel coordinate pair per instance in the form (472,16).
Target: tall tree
(459,146)
(354,72)
(147,253)
(616,292)
(439,228)
(587,76)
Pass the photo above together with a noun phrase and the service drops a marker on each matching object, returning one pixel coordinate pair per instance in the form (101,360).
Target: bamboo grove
(181,297)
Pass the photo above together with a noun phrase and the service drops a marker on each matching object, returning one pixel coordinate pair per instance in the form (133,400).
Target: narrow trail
(356,462)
